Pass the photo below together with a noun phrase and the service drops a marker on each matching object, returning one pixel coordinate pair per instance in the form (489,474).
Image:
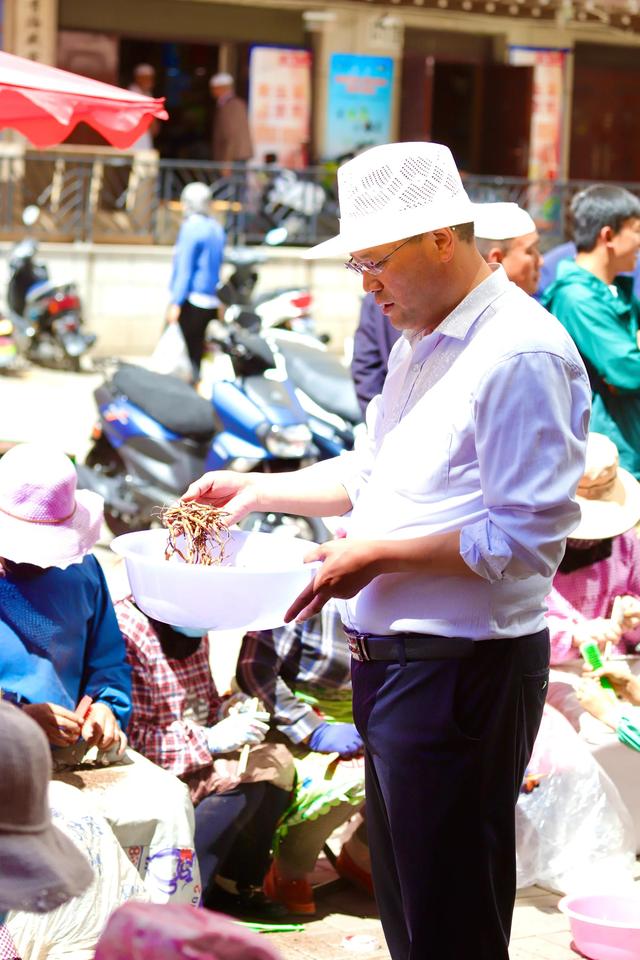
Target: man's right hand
(61,727)
(234,492)
(173,313)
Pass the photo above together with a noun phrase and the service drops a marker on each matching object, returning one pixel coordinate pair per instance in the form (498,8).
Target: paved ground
(47,404)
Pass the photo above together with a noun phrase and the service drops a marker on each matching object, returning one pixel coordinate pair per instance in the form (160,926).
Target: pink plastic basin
(605,926)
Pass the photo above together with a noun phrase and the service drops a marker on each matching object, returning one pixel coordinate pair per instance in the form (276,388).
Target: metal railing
(135,198)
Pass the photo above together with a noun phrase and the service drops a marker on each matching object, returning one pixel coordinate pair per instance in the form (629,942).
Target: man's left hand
(347,567)
(101,729)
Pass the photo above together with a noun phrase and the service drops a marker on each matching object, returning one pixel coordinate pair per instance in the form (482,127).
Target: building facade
(525,88)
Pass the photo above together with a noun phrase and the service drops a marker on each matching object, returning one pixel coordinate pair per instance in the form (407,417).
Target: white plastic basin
(260,577)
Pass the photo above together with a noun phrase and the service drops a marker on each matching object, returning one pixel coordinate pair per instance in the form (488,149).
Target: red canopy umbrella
(45,104)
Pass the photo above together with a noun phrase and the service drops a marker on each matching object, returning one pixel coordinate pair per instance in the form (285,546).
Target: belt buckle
(357,646)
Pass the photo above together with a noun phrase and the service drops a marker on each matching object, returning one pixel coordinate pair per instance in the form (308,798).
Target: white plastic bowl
(260,577)
(605,926)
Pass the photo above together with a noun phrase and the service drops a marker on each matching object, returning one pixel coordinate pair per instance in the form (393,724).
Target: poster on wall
(545,146)
(280,105)
(359,103)
(546,114)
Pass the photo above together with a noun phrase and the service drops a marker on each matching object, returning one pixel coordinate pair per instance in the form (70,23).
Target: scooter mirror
(30,215)
(276,236)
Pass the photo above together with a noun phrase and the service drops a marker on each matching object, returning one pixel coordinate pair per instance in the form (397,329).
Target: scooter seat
(323,378)
(170,401)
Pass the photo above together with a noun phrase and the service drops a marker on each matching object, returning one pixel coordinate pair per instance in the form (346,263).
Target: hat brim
(620,512)
(376,230)
(39,872)
(53,544)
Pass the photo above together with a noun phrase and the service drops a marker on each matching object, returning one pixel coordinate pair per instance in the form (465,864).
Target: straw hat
(40,868)
(609,496)
(501,221)
(152,931)
(44,520)
(395,191)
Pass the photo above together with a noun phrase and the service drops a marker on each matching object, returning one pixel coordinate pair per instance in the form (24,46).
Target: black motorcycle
(46,316)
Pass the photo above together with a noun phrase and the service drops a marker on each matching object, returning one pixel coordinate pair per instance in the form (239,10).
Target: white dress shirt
(481,427)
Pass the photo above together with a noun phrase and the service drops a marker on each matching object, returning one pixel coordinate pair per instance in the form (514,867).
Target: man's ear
(607,233)
(495,255)
(444,243)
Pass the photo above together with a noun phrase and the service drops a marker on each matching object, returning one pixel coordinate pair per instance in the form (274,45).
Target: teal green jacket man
(603,322)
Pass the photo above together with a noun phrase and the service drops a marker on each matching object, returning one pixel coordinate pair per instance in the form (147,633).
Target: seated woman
(301,673)
(596,598)
(596,591)
(176,723)
(62,659)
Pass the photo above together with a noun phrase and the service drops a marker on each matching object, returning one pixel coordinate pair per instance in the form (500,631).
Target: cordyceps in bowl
(198,572)
(197,532)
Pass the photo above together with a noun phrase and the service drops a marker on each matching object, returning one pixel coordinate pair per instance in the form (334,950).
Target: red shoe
(296,895)
(349,870)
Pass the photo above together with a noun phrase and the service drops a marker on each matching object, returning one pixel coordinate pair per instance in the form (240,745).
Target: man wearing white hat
(460,505)
(231,137)
(507,234)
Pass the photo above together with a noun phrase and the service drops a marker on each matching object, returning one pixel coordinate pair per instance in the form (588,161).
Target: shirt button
(416,368)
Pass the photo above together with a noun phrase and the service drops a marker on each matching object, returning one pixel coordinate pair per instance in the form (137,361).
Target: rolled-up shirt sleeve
(531,417)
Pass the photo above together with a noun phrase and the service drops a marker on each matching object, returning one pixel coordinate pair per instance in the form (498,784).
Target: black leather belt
(401,647)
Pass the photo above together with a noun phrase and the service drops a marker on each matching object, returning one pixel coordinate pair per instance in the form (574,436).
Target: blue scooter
(156,434)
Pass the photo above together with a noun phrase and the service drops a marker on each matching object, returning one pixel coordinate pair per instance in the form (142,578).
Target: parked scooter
(324,389)
(46,316)
(286,308)
(156,434)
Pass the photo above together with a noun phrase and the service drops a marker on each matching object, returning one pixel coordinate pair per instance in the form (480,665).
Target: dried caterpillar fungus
(204,529)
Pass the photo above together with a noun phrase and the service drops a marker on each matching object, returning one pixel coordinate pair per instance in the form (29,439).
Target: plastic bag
(171,355)
(572,829)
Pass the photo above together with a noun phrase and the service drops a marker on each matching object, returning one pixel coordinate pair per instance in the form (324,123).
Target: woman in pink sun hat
(63,662)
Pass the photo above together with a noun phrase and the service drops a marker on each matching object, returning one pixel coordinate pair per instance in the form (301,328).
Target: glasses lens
(352,265)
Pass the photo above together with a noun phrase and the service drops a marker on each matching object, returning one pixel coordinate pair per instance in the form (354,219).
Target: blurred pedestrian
(231,138)
(144,79)
(197,258)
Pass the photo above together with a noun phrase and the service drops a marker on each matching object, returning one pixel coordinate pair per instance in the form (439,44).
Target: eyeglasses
(373,269)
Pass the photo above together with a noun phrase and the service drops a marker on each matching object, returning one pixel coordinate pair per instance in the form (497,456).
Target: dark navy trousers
(447,742)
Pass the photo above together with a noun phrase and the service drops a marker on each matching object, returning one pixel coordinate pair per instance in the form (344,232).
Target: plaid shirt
(172,699)
(301,656)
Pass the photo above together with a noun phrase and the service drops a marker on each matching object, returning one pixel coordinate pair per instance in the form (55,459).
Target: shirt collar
(458,323)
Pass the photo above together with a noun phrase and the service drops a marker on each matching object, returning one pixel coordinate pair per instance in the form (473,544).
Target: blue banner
(359,103)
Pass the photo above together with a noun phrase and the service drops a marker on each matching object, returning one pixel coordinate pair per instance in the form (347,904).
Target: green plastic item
(272,927)
(591,654)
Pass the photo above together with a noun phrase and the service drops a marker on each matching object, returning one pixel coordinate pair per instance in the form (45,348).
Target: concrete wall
(124,290)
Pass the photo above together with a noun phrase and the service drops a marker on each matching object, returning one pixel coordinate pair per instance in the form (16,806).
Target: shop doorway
(455,103)
(182,76)
(605,124)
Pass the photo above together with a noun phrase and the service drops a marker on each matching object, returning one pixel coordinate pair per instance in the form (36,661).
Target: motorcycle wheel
(286,525)
(74,364)
(104,459)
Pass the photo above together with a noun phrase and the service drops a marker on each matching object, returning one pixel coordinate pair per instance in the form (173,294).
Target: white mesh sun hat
(501,221)
(395,191)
